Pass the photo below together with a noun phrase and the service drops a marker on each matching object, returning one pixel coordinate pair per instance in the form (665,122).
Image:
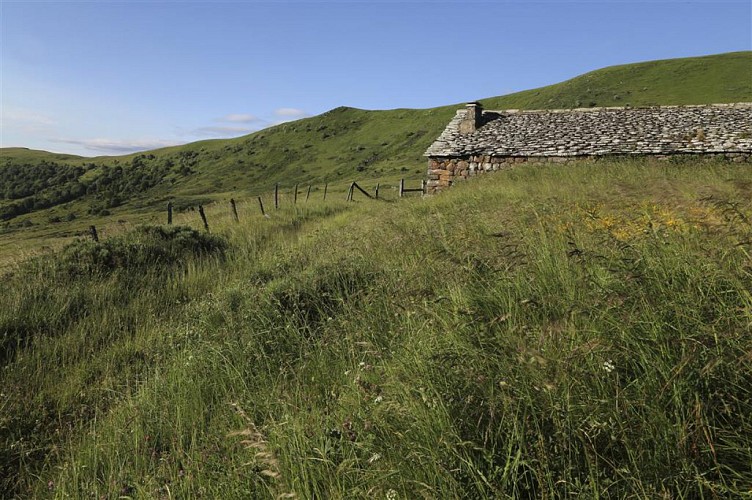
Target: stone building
(477,141)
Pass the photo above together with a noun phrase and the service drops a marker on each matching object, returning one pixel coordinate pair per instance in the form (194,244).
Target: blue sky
(102,77)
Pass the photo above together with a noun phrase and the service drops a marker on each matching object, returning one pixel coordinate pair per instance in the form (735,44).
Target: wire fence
(268,203)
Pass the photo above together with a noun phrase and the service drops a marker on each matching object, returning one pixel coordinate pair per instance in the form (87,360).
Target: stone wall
(478,141)
(443,172)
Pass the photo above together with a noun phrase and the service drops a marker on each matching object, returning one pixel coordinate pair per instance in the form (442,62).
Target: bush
(146,247)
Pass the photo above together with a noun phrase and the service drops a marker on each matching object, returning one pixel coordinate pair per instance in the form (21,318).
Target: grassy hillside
(25,155)
(693,80)
(537,333)
(345,143)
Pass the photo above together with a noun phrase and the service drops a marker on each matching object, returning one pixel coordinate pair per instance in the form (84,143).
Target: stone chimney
(473,118)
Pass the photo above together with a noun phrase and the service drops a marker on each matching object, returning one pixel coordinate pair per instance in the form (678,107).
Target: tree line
(27,187)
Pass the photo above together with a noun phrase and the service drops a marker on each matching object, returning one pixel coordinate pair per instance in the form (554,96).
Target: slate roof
(714,128)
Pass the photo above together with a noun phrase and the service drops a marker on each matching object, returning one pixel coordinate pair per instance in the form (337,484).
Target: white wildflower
(378,399)
(609,366)
(391,494)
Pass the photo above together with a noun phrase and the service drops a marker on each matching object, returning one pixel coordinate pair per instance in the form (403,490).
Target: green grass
(692,80)
(540,332)
(348,144)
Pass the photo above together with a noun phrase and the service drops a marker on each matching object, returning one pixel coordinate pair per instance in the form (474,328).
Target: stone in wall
(505,138)
(443,172)
(602,131)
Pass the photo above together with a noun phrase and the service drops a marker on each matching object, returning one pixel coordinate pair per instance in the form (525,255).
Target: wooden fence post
(423,187)
(356,186)
(169,213)
(350,192)
(402,187)
(234,210)
(93,232)
(325,187)
(203,217)
(308,195)
(261,204)
(295,196)
(276,196)
(377,190)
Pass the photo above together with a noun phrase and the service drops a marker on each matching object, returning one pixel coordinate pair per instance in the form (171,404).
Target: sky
(111,77)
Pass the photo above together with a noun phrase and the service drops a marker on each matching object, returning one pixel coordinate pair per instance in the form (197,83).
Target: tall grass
(542,332)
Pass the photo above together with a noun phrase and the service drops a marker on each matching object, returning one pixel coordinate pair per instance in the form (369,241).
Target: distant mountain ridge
(341,144)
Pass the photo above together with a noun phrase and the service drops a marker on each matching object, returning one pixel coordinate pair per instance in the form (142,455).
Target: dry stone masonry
(477,141)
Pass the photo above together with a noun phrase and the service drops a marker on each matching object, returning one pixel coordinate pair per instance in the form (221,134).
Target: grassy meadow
(547,331)
(47,198)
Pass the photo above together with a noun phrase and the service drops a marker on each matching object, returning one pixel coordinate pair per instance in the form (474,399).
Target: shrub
(146,247)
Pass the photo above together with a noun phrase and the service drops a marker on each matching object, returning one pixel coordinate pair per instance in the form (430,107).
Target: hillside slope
(693,80)
(345,143)
(538,333)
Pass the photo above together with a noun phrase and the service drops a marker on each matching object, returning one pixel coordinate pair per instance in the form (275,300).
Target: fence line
(236,215)
(403,189)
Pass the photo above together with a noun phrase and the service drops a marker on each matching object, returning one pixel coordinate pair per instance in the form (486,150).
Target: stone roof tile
(713,128)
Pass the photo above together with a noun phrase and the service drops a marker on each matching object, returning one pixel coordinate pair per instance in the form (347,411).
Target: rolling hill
(337,146)
(538,333)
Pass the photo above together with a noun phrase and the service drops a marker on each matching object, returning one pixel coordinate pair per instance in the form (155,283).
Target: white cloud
(115,146)
(25,121)
(23,116)
(239,118)
(291,113)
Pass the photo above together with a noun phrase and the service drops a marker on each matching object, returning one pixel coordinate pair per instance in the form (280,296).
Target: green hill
(694,80)
(339,146)
(536,333)
(26,155)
